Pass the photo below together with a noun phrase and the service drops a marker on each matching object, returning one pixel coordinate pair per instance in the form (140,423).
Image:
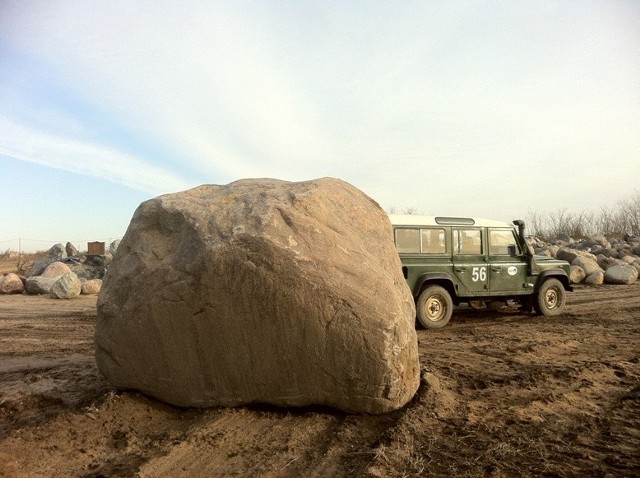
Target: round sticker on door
(512,270)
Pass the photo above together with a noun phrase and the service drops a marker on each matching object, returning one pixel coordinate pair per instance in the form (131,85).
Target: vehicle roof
(415,220)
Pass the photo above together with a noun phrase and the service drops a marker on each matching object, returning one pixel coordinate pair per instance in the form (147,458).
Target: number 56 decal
(479,274)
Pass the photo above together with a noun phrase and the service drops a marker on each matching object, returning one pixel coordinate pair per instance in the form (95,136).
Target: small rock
(432,381)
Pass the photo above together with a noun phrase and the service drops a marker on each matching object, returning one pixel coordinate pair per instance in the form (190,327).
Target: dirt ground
(504,394)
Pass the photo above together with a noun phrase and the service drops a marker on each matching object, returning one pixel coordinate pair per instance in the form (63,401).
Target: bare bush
(622,219)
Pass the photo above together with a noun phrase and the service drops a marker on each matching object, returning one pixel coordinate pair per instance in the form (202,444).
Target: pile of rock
(64,274)
(595,260)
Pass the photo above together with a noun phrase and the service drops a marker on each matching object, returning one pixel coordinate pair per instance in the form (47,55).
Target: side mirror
(512,250)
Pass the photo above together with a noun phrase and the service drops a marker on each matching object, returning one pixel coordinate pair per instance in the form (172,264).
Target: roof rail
(450,221)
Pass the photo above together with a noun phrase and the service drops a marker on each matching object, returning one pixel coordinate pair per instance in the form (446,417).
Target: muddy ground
(508,395)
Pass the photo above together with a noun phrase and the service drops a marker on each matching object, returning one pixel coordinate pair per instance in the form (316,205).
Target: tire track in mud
(558,393)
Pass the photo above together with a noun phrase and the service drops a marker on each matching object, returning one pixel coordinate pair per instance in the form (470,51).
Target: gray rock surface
(598,240)
(67,286)
(39,284)
(38,267)
(260,291)
(87,271)
(56,252)
(568,255)
(113,247)
(71,250)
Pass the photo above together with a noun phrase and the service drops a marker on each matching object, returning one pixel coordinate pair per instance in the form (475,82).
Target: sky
(471,108)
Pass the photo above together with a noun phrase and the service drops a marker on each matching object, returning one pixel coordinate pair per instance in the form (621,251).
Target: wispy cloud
(24,143)
(411,103)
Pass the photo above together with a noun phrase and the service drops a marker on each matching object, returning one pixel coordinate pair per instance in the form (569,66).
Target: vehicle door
(507,264)
(422,251)
(469,261)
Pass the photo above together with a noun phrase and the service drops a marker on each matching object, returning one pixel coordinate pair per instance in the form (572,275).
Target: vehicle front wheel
(434,307)
(550,299)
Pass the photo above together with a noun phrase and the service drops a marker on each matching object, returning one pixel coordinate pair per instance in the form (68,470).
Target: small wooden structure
(95,248)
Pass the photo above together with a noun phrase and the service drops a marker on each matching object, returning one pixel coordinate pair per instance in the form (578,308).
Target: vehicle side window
(433,241)
(500,240)
(408,240)
(467,241)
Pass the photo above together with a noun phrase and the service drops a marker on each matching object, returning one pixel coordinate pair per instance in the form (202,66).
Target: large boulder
(621,274)
(597,278)
(11,284)
(589,265)
(67,286)
(71,250)
(576,274)
(56,269)
(260,291)
(39,284)
(56,252)
(566,254)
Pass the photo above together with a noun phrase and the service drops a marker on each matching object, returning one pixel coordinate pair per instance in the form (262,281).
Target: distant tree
(411,210)
(408,210)
(621,219)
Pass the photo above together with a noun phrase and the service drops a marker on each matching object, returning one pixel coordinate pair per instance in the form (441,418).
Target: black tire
(434,307)
(550,298)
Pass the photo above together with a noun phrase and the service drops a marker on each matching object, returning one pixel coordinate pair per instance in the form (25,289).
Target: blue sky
(476,108)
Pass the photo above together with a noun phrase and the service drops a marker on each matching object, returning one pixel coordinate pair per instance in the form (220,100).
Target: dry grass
(19,264)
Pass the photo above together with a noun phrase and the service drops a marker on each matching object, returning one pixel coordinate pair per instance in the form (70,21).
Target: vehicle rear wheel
(550,299)
(434,307)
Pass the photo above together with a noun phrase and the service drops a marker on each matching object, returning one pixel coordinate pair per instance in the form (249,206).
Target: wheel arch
(436,278)
(555,274)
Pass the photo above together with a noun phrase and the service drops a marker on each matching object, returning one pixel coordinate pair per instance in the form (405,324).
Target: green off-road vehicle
(455,260)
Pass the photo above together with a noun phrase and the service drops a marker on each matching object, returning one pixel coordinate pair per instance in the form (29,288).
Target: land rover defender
(449,261)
